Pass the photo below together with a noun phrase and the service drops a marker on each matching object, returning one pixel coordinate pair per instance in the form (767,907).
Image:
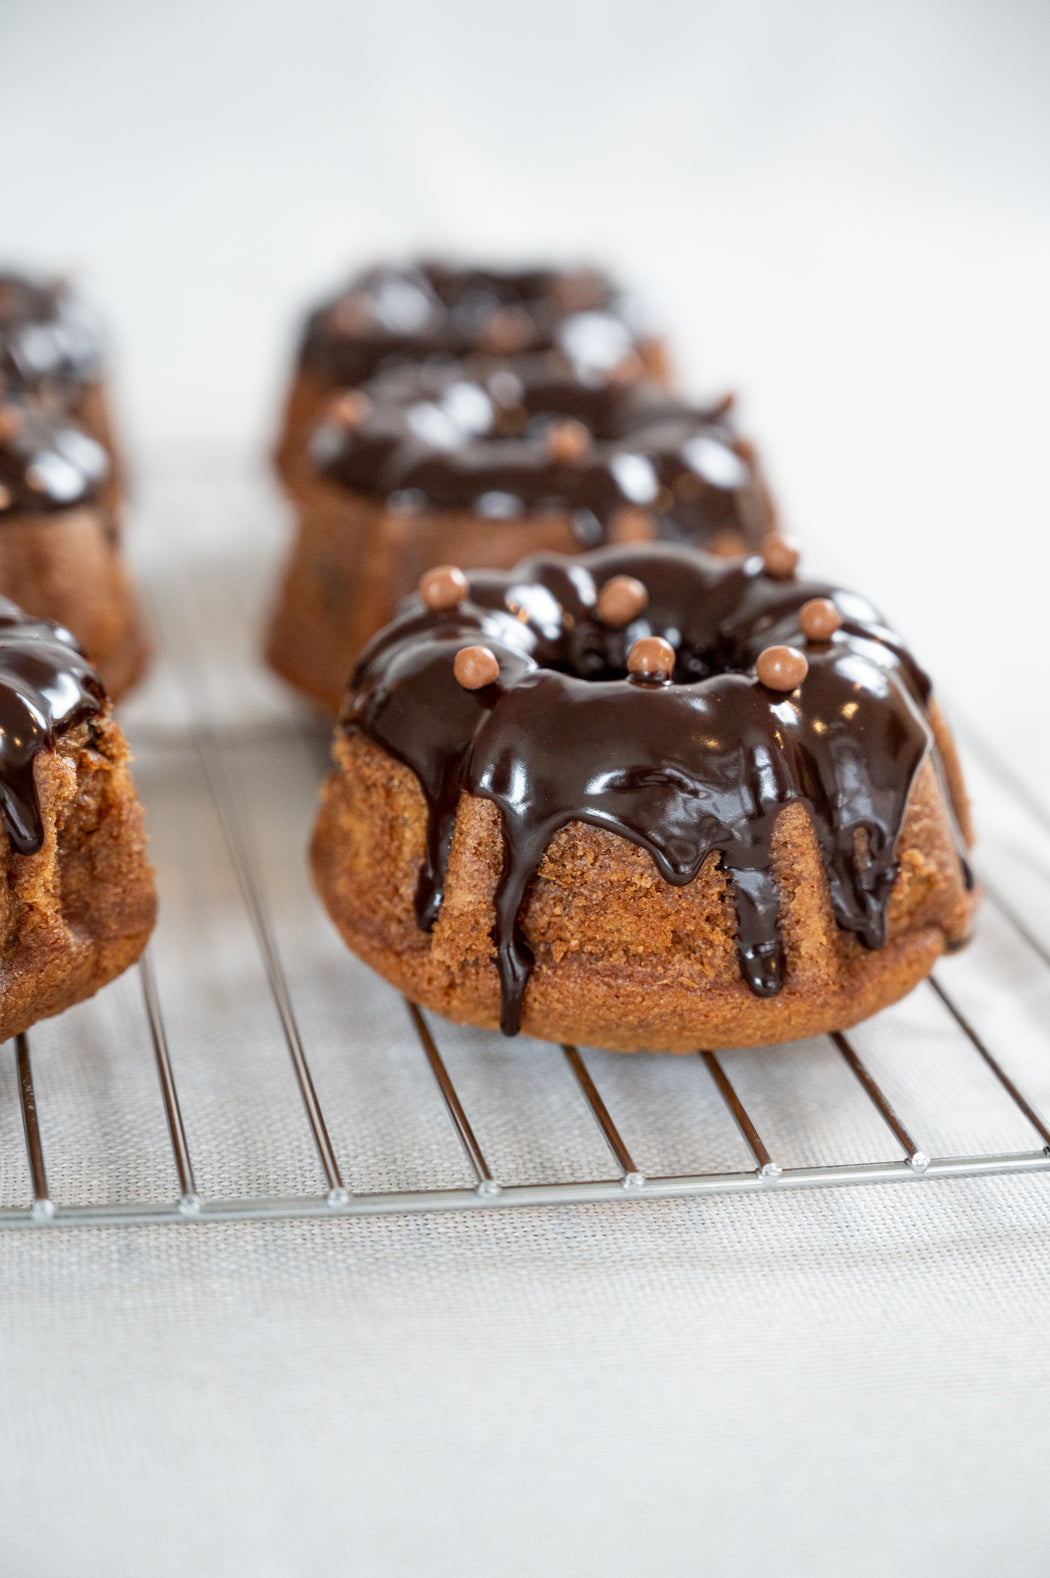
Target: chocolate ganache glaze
(46,686)
(699,763)
(47,334)
(530,438)
(430,309)
(47,462)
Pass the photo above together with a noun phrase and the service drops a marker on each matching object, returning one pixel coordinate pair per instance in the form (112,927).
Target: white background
(840,210)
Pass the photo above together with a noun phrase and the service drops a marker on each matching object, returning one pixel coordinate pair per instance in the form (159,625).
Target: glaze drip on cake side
(433,309)
(47,462)
(698,765)
(532,439)
(47,334)
(46,687)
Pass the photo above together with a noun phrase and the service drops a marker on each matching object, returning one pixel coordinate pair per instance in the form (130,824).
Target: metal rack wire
(186,1203)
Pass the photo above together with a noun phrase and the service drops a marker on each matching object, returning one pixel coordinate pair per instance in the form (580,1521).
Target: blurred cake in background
(480,464)
(412,313)
(60,553)
(51,352)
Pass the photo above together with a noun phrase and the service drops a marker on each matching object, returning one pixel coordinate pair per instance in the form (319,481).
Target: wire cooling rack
(242,955)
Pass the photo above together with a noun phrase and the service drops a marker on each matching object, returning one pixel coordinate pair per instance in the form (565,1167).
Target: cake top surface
(531,438)
(46,687)
(47,333)
(676,699)
(426,309)
(47,462)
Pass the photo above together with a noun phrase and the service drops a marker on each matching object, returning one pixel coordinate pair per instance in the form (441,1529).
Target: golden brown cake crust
(623,959)
(79,911)
(66,565)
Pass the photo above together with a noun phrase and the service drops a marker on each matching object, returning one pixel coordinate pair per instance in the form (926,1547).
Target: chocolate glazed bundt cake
(51,349)
(78,903)
(482,465)
(391,314)
(644,799)
(60,554)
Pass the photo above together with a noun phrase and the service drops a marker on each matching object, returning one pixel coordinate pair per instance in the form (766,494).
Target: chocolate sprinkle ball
(47,462)
(781,668)
(350,408)
(651,657)
(475,667)
(698,766)
(819,619)
(781,558)
(567,442)
(621,600)
(443,587)
(47,334)
(46,686)
(529,438)
(415,312)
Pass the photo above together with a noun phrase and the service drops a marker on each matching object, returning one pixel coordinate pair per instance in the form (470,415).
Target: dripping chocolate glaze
(479,436)
(46,686)
(47,462)
(701,764)
(47,334)
(431,309)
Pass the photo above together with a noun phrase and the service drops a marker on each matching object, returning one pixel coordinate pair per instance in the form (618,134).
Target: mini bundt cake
(644,799)
(78,903)
(481,466)
(51,348)
(412,313)
(60,554)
